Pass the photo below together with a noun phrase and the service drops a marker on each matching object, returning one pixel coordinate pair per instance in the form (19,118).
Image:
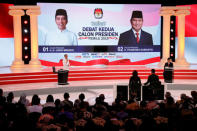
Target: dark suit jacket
(168,72)
(153,80)
(134,84)
(168,65)
(128,39)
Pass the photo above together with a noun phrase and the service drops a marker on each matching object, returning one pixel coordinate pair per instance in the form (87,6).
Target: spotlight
(172,38)
(171,54)
(172,22)
(26,48)
(171,30)
(25,39)
(25,30)
(25,22)
(26,56)
(171,46)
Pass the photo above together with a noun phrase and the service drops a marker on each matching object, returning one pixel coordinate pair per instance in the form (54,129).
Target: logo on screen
(98,13)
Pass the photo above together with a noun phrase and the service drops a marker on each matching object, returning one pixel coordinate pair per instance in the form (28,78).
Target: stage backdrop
(94,27)
(84,58)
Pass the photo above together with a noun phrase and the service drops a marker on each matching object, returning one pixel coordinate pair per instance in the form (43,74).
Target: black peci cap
(61,12)
(136,14)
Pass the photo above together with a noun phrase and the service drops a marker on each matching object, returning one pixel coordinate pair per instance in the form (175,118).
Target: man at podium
(168,71)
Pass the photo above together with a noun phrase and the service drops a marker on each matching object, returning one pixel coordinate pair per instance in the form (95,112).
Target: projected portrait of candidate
(62,36)
(136,36)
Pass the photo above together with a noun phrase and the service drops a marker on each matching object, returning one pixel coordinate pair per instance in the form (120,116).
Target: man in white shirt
(66,63)
(62,36)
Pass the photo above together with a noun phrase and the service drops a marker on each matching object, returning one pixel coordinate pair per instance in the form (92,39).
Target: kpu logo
(98,13)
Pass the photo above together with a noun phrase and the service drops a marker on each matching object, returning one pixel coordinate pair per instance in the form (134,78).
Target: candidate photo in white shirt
(62,36)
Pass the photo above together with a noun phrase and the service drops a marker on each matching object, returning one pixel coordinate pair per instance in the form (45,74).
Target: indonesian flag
(6,36)
(190,34)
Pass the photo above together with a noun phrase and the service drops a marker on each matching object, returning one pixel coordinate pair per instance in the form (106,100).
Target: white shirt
(34,108)
(136,32)
(59,37)
(66,64)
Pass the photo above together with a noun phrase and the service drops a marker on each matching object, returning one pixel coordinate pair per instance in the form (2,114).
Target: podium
(152,93)
(62,76)
(122,92)
(168,74)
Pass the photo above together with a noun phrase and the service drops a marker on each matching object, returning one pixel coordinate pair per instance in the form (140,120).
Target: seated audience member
(152,104)
(80,101)
(185,102)
(83,113)
(153,79)
(2,98)
(46,123)
(49,101)
(66,100)
(152,87)
(170,103)
(98,105)
(121,114)
(10,97)
(23,100)
(35,105)
(194,97)
(81,98)
(167,94)
(102,98)
(132,104)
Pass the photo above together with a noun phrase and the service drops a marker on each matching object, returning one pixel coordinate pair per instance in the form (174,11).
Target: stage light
(26,48)
(25,39)
(172,37)
(25,22)
(26,30)
(26,56)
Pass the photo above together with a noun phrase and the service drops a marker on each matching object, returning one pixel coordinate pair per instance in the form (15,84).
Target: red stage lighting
(25,22)
(26,56)
(25,39)
(172,38)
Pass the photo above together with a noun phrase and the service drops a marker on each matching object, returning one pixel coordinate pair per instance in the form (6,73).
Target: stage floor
(7,69)
(92,88)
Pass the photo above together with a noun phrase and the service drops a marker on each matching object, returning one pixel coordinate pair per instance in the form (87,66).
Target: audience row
(131,115)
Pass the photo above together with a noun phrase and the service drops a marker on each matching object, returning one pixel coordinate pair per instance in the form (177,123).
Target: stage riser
(89,75)
(39,77)
(98,71)
(22,81)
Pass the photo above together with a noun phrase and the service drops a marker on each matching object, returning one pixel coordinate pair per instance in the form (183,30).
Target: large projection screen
(89,26)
